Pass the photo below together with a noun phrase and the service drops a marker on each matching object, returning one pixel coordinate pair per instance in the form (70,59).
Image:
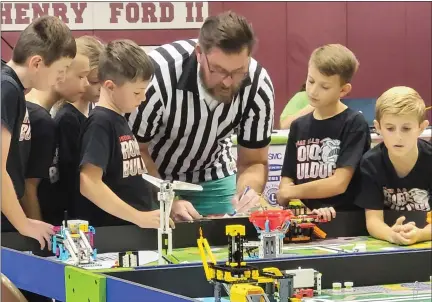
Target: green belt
(215,198)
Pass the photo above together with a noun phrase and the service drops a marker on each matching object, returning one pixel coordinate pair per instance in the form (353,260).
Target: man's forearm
(10,205)
(254,176)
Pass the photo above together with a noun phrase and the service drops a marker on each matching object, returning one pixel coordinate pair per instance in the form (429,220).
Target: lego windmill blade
(184,186)
(153,180)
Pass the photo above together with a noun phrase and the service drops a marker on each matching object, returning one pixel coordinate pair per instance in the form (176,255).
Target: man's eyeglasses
(223,74)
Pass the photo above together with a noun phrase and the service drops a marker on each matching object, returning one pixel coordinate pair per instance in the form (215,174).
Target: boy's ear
(345,90)
(35,62)
(108,84)
(424,125)
(198,52)
(377,126)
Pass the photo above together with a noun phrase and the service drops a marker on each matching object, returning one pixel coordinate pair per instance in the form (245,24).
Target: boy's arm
(30,201)
(39,163)
(10,205)
(376,226)
(145,123)
(94,189)
(425,233)
(353,146)
(95,155)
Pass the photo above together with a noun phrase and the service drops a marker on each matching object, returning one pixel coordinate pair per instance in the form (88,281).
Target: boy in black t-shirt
(39,59)
(111,166)
(325,147)
(43,195)
(397,174)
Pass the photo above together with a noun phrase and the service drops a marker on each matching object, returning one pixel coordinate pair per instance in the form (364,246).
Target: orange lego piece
(319,233)
(429,217)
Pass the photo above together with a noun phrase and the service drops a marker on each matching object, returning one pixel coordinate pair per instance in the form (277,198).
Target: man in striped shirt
(202,92)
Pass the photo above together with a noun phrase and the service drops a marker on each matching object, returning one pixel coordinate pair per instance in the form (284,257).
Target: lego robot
(73,242)
(240,281)
(166,198)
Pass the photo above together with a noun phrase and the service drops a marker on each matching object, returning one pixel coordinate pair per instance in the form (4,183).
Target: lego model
(302,225)
(73,242)
(271,226)
(166,199)
(243,282)
(306,282)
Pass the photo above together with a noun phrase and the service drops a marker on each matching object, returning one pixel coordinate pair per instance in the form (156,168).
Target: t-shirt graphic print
(133,163)
(316,159)
(406,200)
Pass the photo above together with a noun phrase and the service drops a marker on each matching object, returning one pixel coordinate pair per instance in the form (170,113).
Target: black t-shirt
(68,121)
(43,163)
(316,148)
(14,117)
(383,189)
(107,142)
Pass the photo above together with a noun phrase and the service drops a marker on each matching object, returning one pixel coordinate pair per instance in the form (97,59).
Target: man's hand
(183,210)
(325,213)
(38,230)
(243,203)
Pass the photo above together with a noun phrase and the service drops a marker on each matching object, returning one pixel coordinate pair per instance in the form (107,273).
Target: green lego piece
(83,285)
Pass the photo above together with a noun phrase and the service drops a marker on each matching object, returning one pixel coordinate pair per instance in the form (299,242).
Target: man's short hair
(47,37)
(124,61)
(228,31)
(401,101)
(335,59)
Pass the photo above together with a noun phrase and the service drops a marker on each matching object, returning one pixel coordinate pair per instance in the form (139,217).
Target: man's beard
(213,92)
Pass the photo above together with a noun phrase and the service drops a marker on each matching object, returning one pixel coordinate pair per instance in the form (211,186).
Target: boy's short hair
(124,61)
(228,31)
(47,37)
(335,59)
(400,100)
(90,47)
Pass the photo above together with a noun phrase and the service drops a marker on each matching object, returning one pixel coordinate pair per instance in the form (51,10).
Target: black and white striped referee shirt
(188,141)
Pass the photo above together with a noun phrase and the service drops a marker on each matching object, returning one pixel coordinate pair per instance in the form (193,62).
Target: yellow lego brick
(235,229)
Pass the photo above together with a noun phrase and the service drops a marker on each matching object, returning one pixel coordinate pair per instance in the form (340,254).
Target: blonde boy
(397,174)
(325,147)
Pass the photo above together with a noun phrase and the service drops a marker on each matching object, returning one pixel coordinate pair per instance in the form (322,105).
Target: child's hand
(400,227)
(151,220)
(283,195)
(325,213)
(411,236)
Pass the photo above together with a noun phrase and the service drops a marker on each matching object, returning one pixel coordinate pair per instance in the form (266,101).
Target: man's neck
(403,165)
(22,74)
(45,99)
(106,103)
(322,113)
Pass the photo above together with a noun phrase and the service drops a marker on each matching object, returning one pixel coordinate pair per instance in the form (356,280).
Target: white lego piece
(303,277)
(336,286)
(348,286)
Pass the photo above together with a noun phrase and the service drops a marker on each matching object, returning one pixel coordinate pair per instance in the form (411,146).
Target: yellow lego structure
(242,282)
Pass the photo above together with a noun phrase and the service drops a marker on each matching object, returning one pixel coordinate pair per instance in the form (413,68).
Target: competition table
(186,282)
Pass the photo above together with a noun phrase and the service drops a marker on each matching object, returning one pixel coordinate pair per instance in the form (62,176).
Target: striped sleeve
(147,119)
(257,119)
